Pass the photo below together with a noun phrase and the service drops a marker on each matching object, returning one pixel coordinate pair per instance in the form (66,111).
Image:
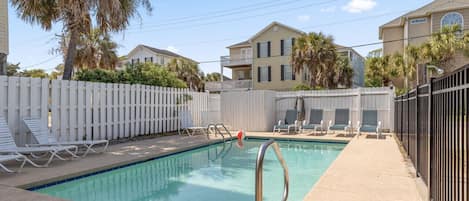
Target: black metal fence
(432,125)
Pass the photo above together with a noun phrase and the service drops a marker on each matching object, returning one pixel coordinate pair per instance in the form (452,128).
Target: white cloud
(328,9)
(358,6)
(172,49)
(304,18)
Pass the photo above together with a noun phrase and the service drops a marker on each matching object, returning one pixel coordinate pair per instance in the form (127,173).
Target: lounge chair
(370,123)
(41,134)
(8,146)
(13,157)
(315,123)
(342,121)
(187,125)
(289,122)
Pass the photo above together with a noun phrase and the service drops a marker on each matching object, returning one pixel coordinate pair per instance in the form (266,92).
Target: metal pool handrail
(259,169)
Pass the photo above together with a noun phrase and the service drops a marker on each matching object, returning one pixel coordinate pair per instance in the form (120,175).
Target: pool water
(218,172)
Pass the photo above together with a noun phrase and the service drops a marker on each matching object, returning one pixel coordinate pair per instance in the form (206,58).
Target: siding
(275,61)
(416,31)
(4,26)
(390,34)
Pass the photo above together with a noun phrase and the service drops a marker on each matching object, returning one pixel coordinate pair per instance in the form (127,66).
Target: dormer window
(452,19)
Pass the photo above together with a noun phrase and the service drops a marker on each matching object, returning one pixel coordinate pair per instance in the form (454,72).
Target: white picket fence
(86,110)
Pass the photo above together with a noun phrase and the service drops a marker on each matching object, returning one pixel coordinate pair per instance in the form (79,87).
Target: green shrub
(302,87)
(146,74)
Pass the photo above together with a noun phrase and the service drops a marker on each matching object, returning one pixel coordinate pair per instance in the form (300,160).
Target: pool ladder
(259,169)
(217,127)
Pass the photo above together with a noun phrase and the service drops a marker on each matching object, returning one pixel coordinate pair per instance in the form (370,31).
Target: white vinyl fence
(86,110)
(261,110)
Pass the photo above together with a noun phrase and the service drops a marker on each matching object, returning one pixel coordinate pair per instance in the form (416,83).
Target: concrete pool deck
(365,169)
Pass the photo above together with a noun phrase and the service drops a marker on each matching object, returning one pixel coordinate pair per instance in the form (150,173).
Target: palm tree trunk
(71,54)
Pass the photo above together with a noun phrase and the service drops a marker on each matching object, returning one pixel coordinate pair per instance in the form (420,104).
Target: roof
(162,52)
(433,7)
(272,25)
(241,44)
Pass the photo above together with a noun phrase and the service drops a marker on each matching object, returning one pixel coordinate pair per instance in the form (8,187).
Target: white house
(144,53)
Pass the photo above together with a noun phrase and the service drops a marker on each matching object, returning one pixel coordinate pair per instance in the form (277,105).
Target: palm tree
(379,72)
(213,77)
(317,53)
(94,50)
(443,46)
(343,73)
(77,17)
(188,71)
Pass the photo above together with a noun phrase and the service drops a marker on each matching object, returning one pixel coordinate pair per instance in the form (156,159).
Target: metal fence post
(430,138)
(417,138)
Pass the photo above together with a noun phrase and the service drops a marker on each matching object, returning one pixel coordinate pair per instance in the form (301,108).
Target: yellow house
(263,61)
(3,35)
(416,27)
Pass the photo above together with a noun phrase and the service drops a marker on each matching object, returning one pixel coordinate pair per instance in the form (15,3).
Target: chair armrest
(378,128)
(330,125)
(322,125)
(279,122)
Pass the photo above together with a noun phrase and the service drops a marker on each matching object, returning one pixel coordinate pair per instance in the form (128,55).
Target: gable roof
(241,44)
(272,25)
(427,10)
(160,51)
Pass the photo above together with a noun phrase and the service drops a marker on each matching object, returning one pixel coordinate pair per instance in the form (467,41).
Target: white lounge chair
(187,125)
(370,123)
(13,157)
(8,146)
(41,134)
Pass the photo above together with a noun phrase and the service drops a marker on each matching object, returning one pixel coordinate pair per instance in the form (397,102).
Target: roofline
(271,25)
(149,49)
(234,46)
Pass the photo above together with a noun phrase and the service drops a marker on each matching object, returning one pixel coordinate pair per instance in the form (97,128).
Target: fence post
(417,140)
(430,138)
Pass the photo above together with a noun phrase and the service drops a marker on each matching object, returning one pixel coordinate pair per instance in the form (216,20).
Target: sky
(202,29)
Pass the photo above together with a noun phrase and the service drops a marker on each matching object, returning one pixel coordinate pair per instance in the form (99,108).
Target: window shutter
(258,50)
(258,74)
(269,70)
(282,47)
(268,49)
(282,72)
(292,42)
(293,75)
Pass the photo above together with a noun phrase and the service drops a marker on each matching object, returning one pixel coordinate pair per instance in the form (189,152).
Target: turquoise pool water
(218,172)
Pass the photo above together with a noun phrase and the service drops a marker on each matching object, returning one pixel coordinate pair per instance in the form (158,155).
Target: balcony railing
(228,61)
(228,85)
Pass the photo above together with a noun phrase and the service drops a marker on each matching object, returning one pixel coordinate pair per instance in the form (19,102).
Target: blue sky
(202,29)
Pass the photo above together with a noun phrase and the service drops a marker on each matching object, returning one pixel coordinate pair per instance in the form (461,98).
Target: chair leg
(6,169)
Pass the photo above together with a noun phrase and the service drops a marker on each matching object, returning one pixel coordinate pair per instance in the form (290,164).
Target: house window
(451,19)
(286,46)
(418,21)
(263,50)
(135,61)
(287,73)
(264,74)
(148,59)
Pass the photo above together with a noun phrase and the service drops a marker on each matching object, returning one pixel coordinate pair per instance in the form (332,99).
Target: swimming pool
(217,172)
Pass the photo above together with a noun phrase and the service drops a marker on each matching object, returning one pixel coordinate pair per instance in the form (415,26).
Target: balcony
(236,61)
(230,85)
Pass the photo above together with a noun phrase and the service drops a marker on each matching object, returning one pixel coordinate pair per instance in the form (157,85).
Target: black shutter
(268,49)
(282,46)
(292,42)
(258,50)
(270,73)
(293,74)
(258,74)
(282,71)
